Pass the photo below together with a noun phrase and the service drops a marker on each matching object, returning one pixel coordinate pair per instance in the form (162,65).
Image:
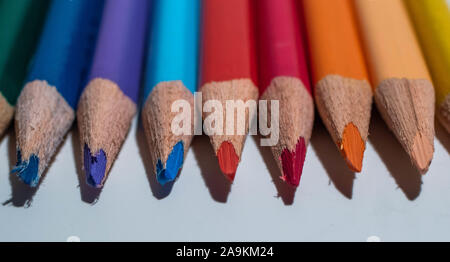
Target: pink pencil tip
(292,163)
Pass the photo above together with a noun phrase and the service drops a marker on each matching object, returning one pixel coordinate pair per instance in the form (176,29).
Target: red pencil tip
(292,163)
(228,160)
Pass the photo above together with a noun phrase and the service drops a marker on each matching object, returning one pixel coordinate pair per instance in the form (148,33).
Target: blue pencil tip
(95,167)
(173,165)
(27,171)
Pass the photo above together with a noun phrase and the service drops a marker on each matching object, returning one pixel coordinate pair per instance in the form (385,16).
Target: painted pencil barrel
(65,49)
(120,45)
(173,43)
(20,25)
(432,22)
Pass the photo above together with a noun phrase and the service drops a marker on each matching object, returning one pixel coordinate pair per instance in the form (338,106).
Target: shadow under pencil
(285,192)
(219,187)
(158,191)
(394,157)
(442,136)
(336,167)
(88,194)
(22,194)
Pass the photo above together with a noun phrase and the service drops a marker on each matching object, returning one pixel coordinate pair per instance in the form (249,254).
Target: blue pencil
(172,68)
(46,106)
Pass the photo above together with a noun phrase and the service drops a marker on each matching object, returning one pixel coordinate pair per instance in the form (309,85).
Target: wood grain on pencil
(342,90)
(404,94)
(228,69)
(284,77)
(432,23)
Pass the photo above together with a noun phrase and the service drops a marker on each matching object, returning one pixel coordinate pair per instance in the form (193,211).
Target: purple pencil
(109,102)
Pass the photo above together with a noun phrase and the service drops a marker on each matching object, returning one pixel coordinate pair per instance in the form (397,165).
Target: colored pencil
(432,23)
(404,93)
(47,103)
(172,69)
(228,70)
(108,103)
(284,76)
(20,25)
(342,91)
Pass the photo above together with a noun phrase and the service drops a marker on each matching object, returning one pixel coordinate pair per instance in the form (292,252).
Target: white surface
(386,201)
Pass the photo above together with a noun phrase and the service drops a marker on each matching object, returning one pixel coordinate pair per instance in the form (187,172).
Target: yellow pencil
(432,22)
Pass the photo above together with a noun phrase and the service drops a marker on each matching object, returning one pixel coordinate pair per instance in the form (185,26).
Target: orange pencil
(404,93)
(342,91)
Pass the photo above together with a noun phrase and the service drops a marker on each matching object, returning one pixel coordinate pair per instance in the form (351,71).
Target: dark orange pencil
(342,90)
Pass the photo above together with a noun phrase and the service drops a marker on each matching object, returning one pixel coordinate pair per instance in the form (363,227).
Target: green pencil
(20,25)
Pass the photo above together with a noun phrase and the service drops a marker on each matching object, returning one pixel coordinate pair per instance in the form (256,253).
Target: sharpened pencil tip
(292,162)
(228,160)
(352,147)
(27,170)
(422,153)
(94,167)
(173,165)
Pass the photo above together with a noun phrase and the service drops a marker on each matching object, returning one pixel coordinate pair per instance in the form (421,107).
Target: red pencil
(228,69)
(284,77)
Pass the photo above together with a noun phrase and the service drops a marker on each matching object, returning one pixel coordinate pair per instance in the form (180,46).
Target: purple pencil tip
(94,167)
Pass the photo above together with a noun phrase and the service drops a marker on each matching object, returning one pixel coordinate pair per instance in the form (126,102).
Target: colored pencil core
(94,166)
(292,162)
(352,147)
(422,152)
(27,171)
(173,165)
(228,160)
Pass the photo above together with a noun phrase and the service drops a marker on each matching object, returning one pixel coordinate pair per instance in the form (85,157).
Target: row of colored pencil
(89,58)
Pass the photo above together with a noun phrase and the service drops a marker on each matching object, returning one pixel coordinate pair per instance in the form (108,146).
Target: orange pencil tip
(228,160)
(352,147)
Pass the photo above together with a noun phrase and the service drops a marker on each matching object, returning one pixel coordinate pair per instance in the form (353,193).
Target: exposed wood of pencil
(228,68)
(408,106)
(43,118)
(296,117)
(104,118)
(432,23)
(342,92)
(6,114)
(157,117)
(404,94)
(345,105)
(229,147)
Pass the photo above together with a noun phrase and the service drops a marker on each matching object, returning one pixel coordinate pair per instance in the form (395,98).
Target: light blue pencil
(171,75)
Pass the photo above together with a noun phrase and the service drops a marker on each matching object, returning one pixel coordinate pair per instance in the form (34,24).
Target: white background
(388,199)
